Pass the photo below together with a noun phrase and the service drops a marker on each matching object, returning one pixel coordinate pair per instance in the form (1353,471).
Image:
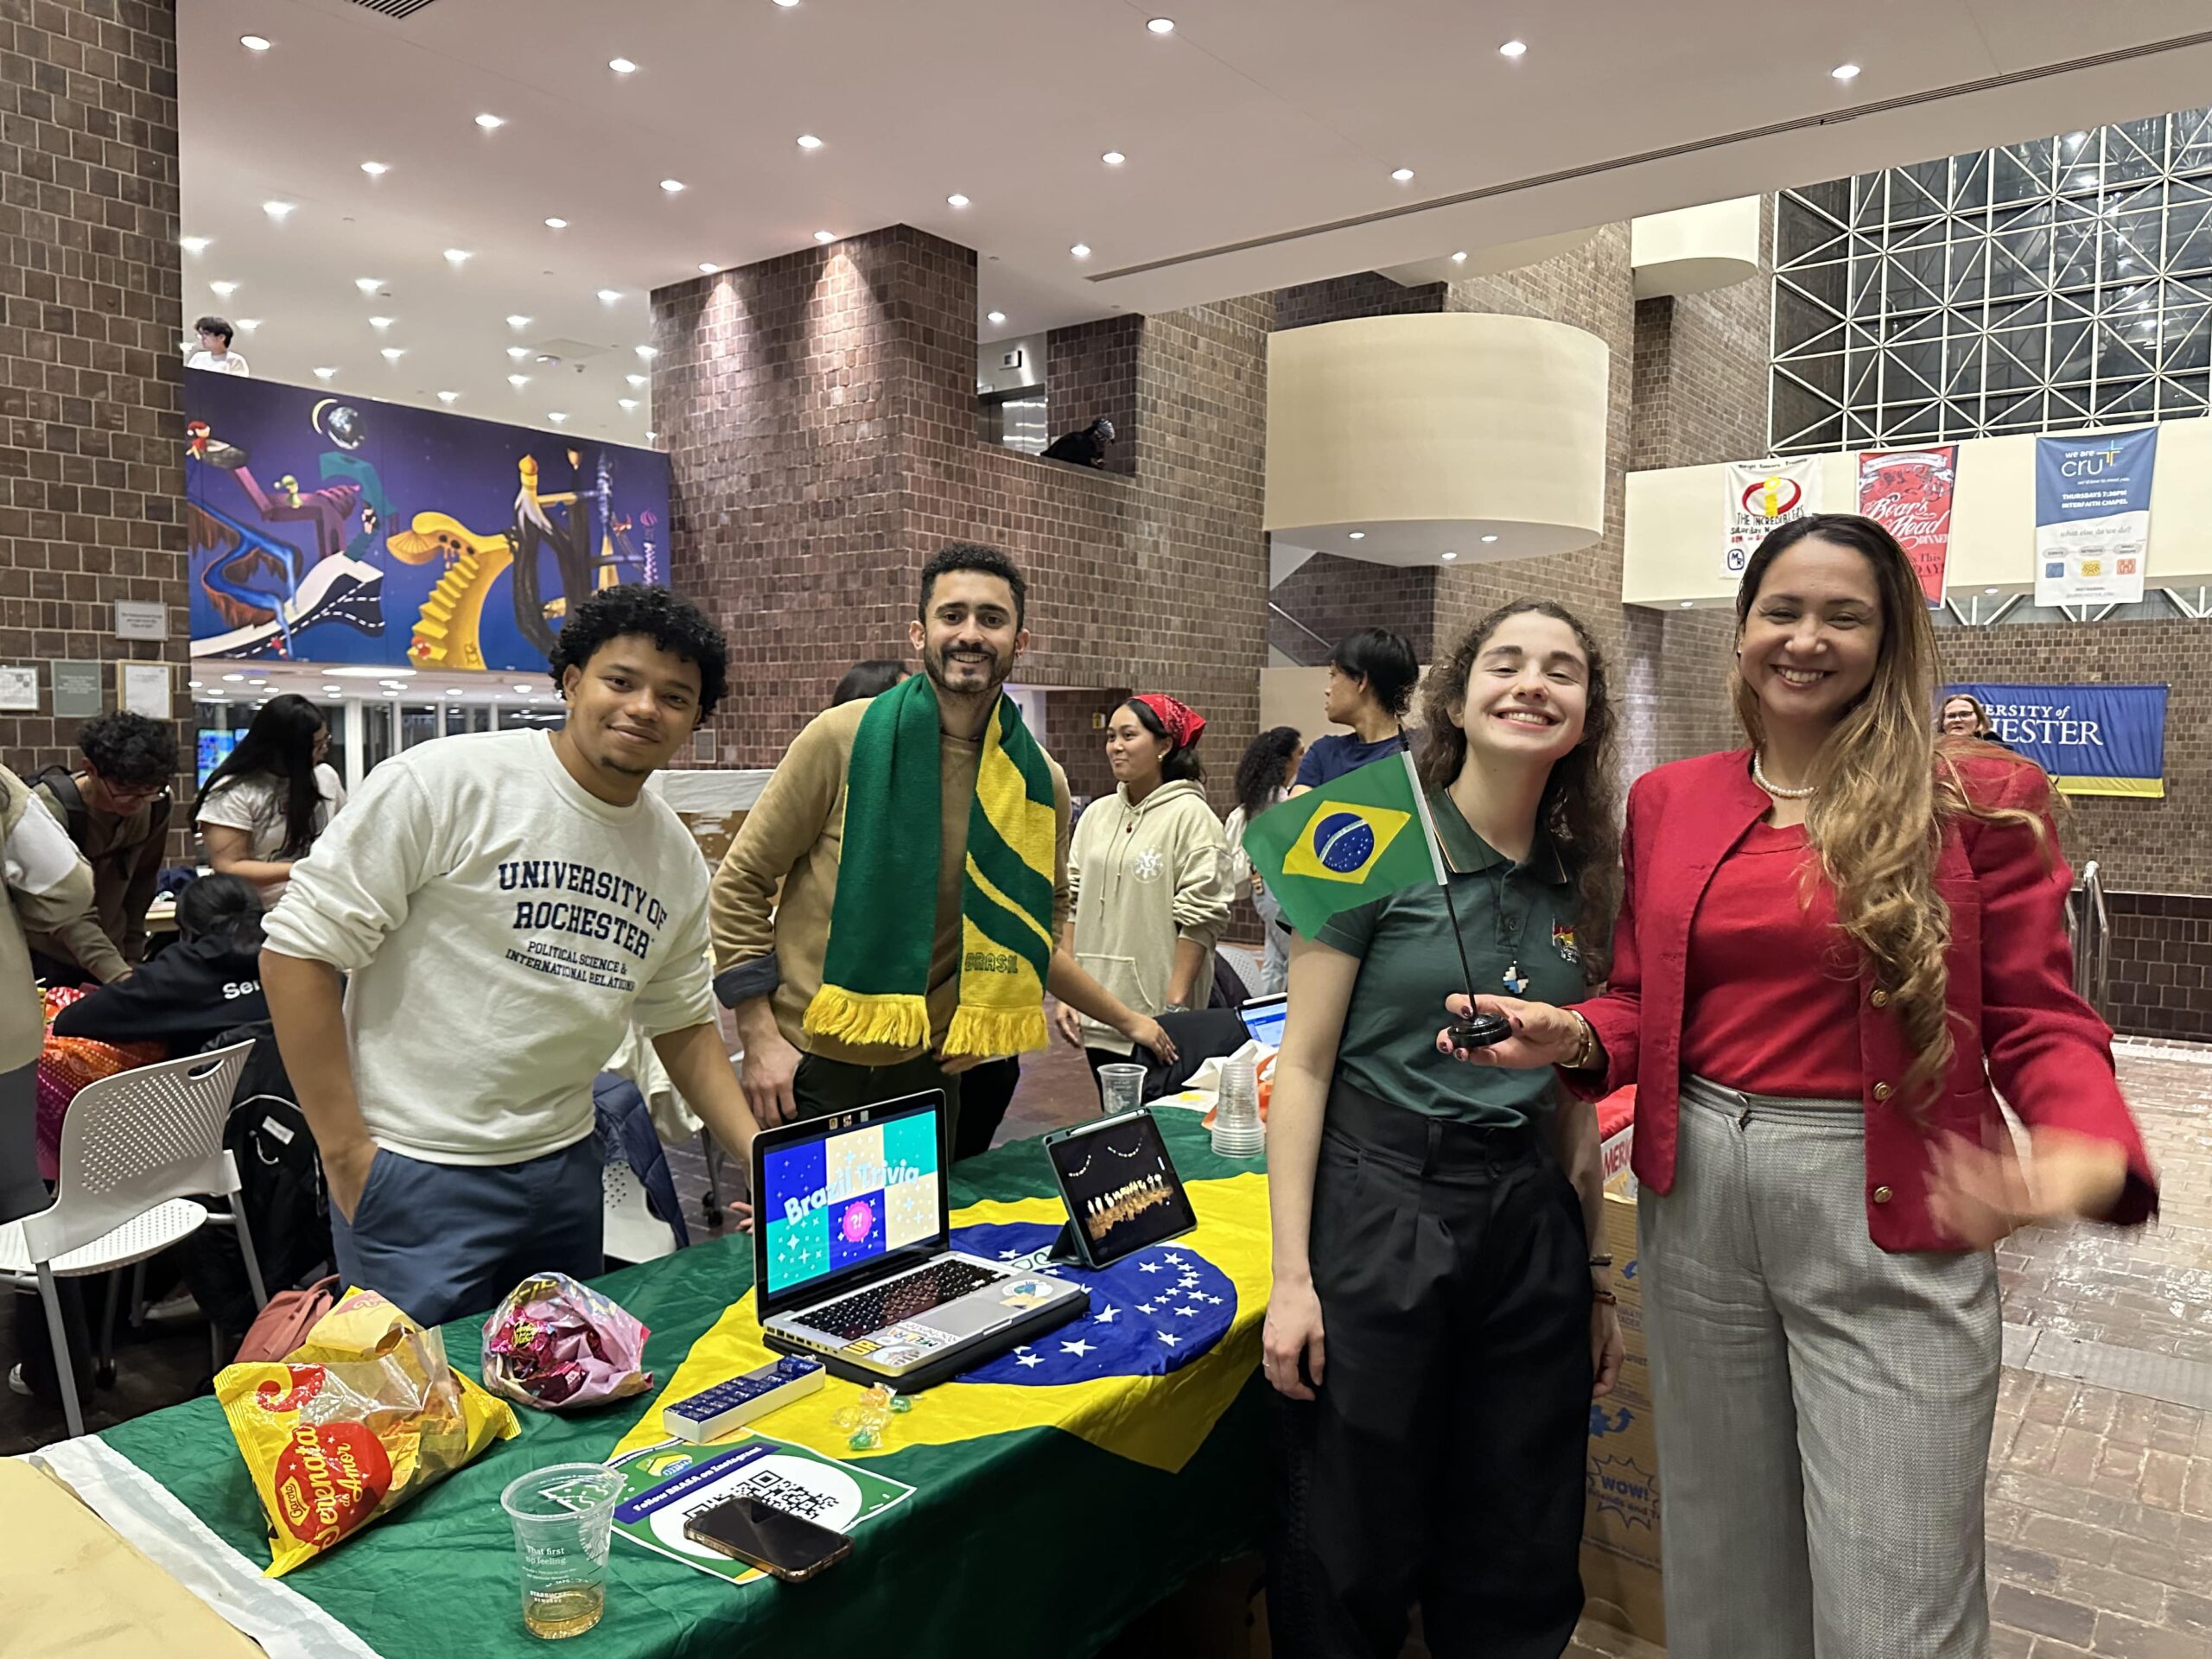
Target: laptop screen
(1265,1017)
(834,1195)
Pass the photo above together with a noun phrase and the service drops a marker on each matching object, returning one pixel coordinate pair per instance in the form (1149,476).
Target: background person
(868,679)
(1433,1329)
(1964,716)
(1149,874)
(1851,936)
(269,801)
(206,983)
(1085,447)
(1371,678)
(115,809)
(215,354)
(1263,779)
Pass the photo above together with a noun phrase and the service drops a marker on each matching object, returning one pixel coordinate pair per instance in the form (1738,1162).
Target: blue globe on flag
(1344,842)
(1151,1313)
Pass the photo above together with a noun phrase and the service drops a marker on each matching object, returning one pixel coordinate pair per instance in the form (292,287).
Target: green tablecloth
(1030,1542)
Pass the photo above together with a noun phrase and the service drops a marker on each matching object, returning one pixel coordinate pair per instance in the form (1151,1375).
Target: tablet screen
(1121,1189)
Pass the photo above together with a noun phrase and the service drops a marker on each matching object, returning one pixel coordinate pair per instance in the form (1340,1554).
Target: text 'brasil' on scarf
(875,970)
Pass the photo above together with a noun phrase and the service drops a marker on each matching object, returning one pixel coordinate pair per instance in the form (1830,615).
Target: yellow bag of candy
(357,1421)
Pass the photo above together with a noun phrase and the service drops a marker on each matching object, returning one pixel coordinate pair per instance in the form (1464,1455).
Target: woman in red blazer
(1835,949)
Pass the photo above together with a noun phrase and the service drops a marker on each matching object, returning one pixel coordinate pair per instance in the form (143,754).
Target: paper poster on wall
(1764,495)
(2092,517)
(2093,740)
(144,689)
(1908,493)
(19,688)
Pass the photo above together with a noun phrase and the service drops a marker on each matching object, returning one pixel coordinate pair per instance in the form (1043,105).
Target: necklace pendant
(1516,982)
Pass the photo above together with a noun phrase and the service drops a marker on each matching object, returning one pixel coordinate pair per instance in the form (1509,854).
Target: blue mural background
(338,529)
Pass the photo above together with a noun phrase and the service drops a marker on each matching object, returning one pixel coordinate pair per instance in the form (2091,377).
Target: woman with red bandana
(1146,870)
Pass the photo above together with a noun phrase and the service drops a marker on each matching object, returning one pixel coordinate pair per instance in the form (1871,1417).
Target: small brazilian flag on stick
(1346,844)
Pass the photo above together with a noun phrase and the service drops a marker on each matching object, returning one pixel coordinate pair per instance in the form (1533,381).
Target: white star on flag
(1188,1312)
(1174,1261)
(1023,1349)
(1169,1338)
(1029,1359)
(1144,1307)
(1213,1301)
(1008,1256)
(1148,1267)
(1108,1316)
(1079,1347)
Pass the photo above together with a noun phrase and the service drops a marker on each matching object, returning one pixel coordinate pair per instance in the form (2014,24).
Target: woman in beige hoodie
(1146,869)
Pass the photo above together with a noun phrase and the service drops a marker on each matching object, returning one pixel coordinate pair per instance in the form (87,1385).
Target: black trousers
(1443,1462)
(822,1087)
(986,1091)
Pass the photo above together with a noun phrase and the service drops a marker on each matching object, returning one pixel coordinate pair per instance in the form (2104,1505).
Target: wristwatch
(1176,1008)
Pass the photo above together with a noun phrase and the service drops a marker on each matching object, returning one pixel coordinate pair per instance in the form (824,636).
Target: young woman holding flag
(1832,945)
(1433,1330)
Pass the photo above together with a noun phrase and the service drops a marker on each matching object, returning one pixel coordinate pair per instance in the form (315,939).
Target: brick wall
(2159,983)
(1333,597)
(1361,293)
(1091,370)
(92,463)
(1080,747)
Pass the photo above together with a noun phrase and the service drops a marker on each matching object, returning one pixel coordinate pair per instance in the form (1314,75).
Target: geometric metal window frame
(2052,285)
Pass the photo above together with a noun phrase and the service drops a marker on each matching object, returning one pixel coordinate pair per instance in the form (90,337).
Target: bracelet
(1604,1298)
(1586,1053)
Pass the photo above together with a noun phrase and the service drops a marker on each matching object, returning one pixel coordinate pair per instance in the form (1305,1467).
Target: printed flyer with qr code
(664,1486)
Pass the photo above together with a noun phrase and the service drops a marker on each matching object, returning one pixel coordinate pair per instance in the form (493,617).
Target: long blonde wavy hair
(1886,793)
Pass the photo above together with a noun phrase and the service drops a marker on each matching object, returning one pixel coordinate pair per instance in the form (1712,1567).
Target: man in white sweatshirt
(504,905)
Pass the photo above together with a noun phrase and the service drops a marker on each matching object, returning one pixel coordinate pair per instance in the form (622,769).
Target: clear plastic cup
(563,1517)
(1236,1129)
(1121,1087)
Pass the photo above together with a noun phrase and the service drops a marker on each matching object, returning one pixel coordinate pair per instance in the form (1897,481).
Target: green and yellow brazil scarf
(875,972)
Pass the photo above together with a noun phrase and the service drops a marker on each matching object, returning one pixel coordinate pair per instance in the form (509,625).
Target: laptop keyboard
(945,1280)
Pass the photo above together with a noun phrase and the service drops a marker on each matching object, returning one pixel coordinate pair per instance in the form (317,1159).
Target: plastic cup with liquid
(564,1519)
(1121,1087)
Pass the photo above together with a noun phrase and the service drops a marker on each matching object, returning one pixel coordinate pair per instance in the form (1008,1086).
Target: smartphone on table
(775,1541)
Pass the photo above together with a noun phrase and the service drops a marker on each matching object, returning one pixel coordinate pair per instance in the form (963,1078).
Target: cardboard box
(1621,1525)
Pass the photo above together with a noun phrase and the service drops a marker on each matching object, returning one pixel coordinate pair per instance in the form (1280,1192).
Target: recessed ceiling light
(635,379)
(1689,604)
(456,691)
(671,185)
(193,243)
(1513,49)
(557,224)
(622,66)
(332,690)
(234,679)
(249,324)
(278,209)
(397,686)
(392,694)
(375,169)
(557,417)
(1448,555)
(609,296)
(1358,535)
(1989,590)
(324,374)
(1460,257)
(825,236)
(651,436)
(1113,158)
(1161,25)
(457,256)
(1081,250)
(996,317)
(368,284)
(526,690)
(518,322)
(491,123)
(1403,176)
(1845,71)
(379,322)
(222,290)
(393,354)
(649,351)
(808,141)
(518,380)
(956,200)
(254,42)
(708,267)
(1489,538)
(627,403)
(518,353)
(2075,137)
(448,397)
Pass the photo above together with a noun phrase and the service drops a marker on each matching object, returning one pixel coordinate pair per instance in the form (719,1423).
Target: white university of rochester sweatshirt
(503,928)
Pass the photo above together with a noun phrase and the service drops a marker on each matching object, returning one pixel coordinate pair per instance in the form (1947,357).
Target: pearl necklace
(1759,777)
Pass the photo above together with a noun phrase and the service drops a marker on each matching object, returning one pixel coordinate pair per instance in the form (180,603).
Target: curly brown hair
(1579,809)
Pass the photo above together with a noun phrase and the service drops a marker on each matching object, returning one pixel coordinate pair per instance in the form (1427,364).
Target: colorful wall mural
(343,529)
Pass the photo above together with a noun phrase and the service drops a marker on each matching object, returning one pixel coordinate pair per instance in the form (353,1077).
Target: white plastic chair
(135,1148)
(632,1232)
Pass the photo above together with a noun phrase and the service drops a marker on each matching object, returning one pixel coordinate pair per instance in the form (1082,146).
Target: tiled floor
(2100,1471)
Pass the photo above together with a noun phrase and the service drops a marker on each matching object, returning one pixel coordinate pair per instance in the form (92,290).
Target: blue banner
(2093,740)
(2092,517)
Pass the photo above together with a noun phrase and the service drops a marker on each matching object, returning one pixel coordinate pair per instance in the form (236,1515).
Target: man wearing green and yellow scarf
(920,841)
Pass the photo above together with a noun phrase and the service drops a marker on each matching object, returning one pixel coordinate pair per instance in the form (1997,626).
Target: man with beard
(920,839)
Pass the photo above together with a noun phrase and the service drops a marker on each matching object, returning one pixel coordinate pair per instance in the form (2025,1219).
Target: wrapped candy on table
(558,1345)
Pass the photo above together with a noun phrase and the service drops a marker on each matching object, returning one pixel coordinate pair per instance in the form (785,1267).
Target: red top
(1746,1025)
(2010,982)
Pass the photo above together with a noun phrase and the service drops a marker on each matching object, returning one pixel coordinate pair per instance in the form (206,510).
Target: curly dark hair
(676,625)
(1579,810)
(130,750)
(985,561)
(1259,774)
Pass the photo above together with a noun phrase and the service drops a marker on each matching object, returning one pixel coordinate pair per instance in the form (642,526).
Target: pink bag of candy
(559,1345)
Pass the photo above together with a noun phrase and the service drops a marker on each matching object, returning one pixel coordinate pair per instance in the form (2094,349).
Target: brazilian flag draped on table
(1347,843)
(1052,1502)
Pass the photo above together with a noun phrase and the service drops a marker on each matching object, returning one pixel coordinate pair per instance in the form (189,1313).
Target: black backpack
(78,818)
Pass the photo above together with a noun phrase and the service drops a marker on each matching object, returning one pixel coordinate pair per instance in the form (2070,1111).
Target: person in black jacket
(200,988)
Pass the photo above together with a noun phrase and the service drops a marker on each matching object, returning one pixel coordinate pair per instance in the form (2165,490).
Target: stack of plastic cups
(1237,1129)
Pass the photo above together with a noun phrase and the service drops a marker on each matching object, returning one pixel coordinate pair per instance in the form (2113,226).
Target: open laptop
(852,1257)
(1265,1017)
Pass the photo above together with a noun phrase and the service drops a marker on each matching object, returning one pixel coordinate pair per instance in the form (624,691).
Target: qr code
(788,1496)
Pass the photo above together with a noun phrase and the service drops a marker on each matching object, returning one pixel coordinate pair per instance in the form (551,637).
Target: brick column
(92,452)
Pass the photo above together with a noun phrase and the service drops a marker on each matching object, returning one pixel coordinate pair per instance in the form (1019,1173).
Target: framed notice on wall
(19,688)
(144,689)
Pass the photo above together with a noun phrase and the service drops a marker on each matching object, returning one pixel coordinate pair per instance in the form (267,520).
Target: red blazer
(2011,985)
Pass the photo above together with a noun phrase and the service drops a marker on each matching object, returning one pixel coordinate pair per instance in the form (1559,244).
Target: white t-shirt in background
(503,927)
(255,804)
(228,363)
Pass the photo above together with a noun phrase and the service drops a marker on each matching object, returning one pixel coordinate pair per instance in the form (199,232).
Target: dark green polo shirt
(1509,915)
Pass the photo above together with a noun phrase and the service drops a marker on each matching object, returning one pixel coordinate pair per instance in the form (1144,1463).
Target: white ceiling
(1254,121)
